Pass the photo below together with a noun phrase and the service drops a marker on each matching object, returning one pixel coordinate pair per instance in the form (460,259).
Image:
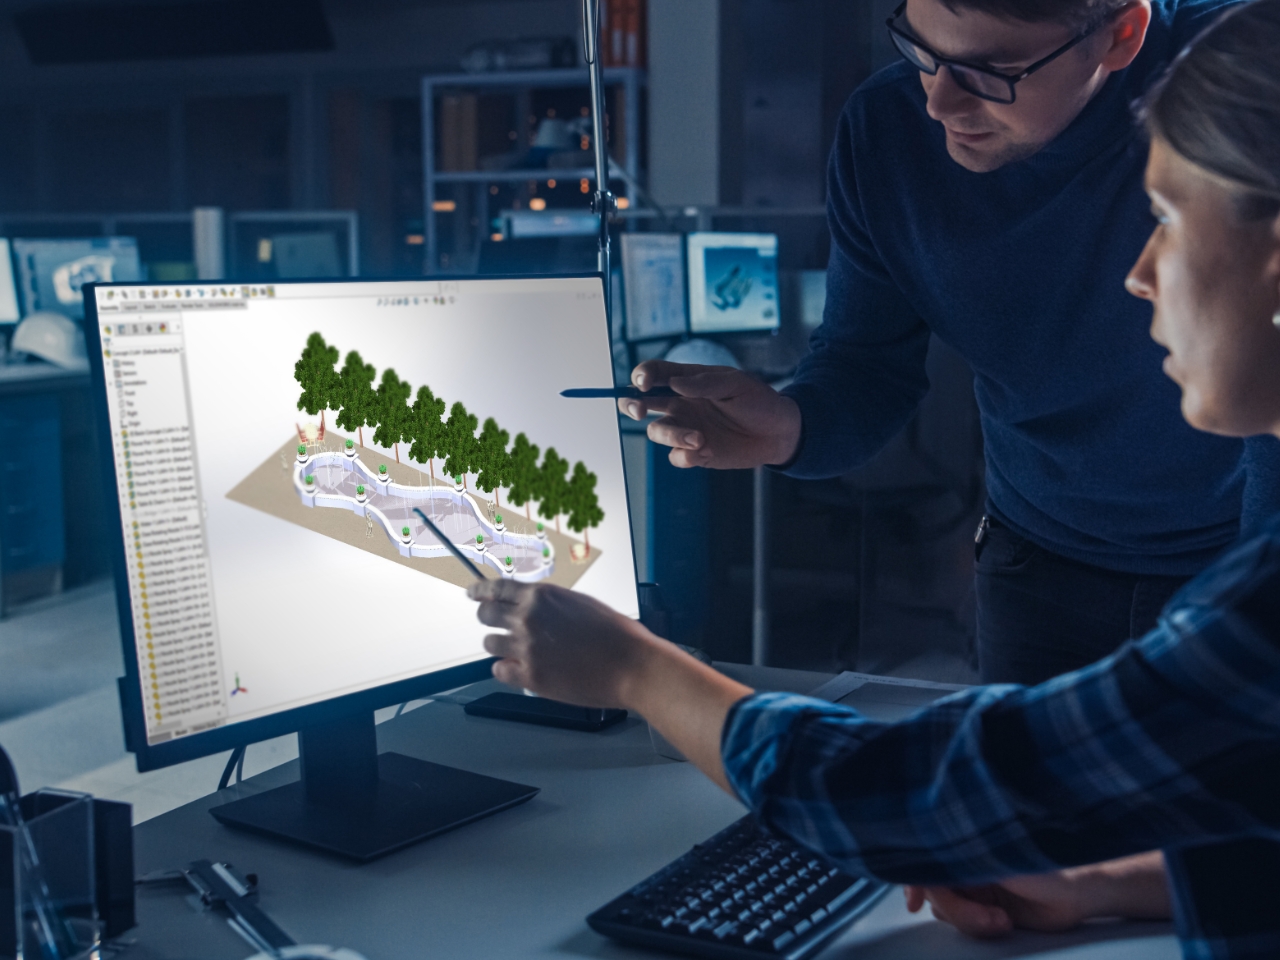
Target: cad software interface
(274,445)
(733,282)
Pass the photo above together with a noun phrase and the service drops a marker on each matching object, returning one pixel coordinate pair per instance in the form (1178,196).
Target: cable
(236,759)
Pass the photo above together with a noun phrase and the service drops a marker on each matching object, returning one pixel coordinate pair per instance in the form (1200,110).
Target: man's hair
(1078,14)
(1218,105)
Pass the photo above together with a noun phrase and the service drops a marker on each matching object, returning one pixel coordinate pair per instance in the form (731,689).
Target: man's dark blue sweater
(1022,270)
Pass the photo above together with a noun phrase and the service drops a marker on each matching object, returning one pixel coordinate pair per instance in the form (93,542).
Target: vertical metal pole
(431,258)
(760,568)
(603,202)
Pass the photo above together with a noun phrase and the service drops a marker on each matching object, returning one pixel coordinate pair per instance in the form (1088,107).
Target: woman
(1159,746)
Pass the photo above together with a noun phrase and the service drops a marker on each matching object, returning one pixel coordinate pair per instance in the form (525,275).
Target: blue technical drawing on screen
(733,282)
(52,273)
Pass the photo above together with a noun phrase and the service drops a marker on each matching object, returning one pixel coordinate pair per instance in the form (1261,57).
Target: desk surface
(520,883)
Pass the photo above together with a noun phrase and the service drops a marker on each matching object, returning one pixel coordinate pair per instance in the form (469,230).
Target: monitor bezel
(688,285)
(219,739)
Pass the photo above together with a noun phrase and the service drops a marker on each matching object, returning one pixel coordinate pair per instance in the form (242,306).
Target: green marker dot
(457,479)
(360,490)
(499,518)
(383,469)
(541,528)
(508,561)
(351,444)
(405,531)
(302,450)
(546,551)
(480,539)
(310,479)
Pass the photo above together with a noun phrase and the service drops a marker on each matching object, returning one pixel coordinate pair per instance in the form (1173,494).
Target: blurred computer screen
(9,312)
(733,282)
(52,273)
(654,283)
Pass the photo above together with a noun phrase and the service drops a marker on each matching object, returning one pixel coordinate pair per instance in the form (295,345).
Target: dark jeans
(1040,614)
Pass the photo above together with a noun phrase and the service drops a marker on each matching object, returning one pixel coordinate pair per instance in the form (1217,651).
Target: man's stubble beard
(976,161)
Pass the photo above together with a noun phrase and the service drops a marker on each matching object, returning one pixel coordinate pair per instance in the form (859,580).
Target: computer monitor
(270,447)
(733,282)
(9,312)
(306,256)
(654,282)
(52,273)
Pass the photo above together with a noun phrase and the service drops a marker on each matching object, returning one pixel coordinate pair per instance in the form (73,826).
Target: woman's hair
(1218,105)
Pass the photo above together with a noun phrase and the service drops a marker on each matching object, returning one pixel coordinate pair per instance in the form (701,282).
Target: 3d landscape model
(334,485)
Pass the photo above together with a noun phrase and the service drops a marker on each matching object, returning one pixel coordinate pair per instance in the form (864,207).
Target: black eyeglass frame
(940,61)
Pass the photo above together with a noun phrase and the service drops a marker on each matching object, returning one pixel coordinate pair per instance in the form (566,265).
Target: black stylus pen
(448,545)
(617,393)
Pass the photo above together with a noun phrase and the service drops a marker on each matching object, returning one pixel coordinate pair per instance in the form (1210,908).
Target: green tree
(494,460)
(552,486)
(426,428)
(460,442)
(393,411)
(314,371)
(355,390)
(582,504)
(523,478)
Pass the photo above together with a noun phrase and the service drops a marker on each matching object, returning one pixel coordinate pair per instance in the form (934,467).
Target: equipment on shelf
(733,283)
(53,273)
(9,312)
(52,337)
(742,894)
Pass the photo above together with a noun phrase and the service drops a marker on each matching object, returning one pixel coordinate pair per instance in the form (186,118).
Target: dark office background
(109,107)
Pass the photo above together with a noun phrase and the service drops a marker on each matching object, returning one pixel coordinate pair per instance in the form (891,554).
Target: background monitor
(733,282)
(52,273)
(9,312)
(311,255)
(269,447)
(654,281)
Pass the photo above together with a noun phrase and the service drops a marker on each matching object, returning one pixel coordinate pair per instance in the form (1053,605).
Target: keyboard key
(725,929)
(802,928)
(751,937)
(783,940)
(818,915)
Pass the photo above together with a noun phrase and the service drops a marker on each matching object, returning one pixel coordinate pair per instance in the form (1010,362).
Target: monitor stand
(358,803)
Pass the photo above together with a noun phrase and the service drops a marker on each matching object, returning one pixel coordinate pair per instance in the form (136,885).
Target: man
(989,190)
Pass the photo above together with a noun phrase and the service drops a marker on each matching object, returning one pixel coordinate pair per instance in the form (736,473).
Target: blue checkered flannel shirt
(1171,743)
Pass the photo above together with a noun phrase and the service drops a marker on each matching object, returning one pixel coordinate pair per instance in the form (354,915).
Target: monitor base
(544,713)
(361,804)
(414,800)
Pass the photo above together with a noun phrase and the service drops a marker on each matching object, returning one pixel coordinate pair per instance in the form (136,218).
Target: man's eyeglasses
(971,77)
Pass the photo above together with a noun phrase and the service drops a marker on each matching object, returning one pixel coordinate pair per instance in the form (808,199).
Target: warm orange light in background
(444,206)
(415,239)
(624,203)
(584,185)
(551,184)
(497,237)
(537,203)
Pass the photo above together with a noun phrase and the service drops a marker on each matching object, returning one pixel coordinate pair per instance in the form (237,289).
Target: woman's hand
(560,644)
(572,648)
(1133,888)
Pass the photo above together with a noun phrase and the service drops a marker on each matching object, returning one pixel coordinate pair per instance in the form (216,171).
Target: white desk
(519,884)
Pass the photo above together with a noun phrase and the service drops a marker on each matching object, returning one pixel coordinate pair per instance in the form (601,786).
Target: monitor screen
(272,445)
(306,256)
(653,276)
(733,282)
(9,312)
(52,273)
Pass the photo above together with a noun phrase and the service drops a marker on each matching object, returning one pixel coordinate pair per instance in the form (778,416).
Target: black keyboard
(742,894)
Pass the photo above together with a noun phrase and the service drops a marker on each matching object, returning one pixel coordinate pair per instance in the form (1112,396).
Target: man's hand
(572,648)
(1133,888)
(722,418)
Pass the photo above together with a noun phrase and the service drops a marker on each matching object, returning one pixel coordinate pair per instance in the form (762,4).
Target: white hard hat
(51,336)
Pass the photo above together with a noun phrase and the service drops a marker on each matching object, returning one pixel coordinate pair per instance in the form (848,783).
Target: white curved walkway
(337,478)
